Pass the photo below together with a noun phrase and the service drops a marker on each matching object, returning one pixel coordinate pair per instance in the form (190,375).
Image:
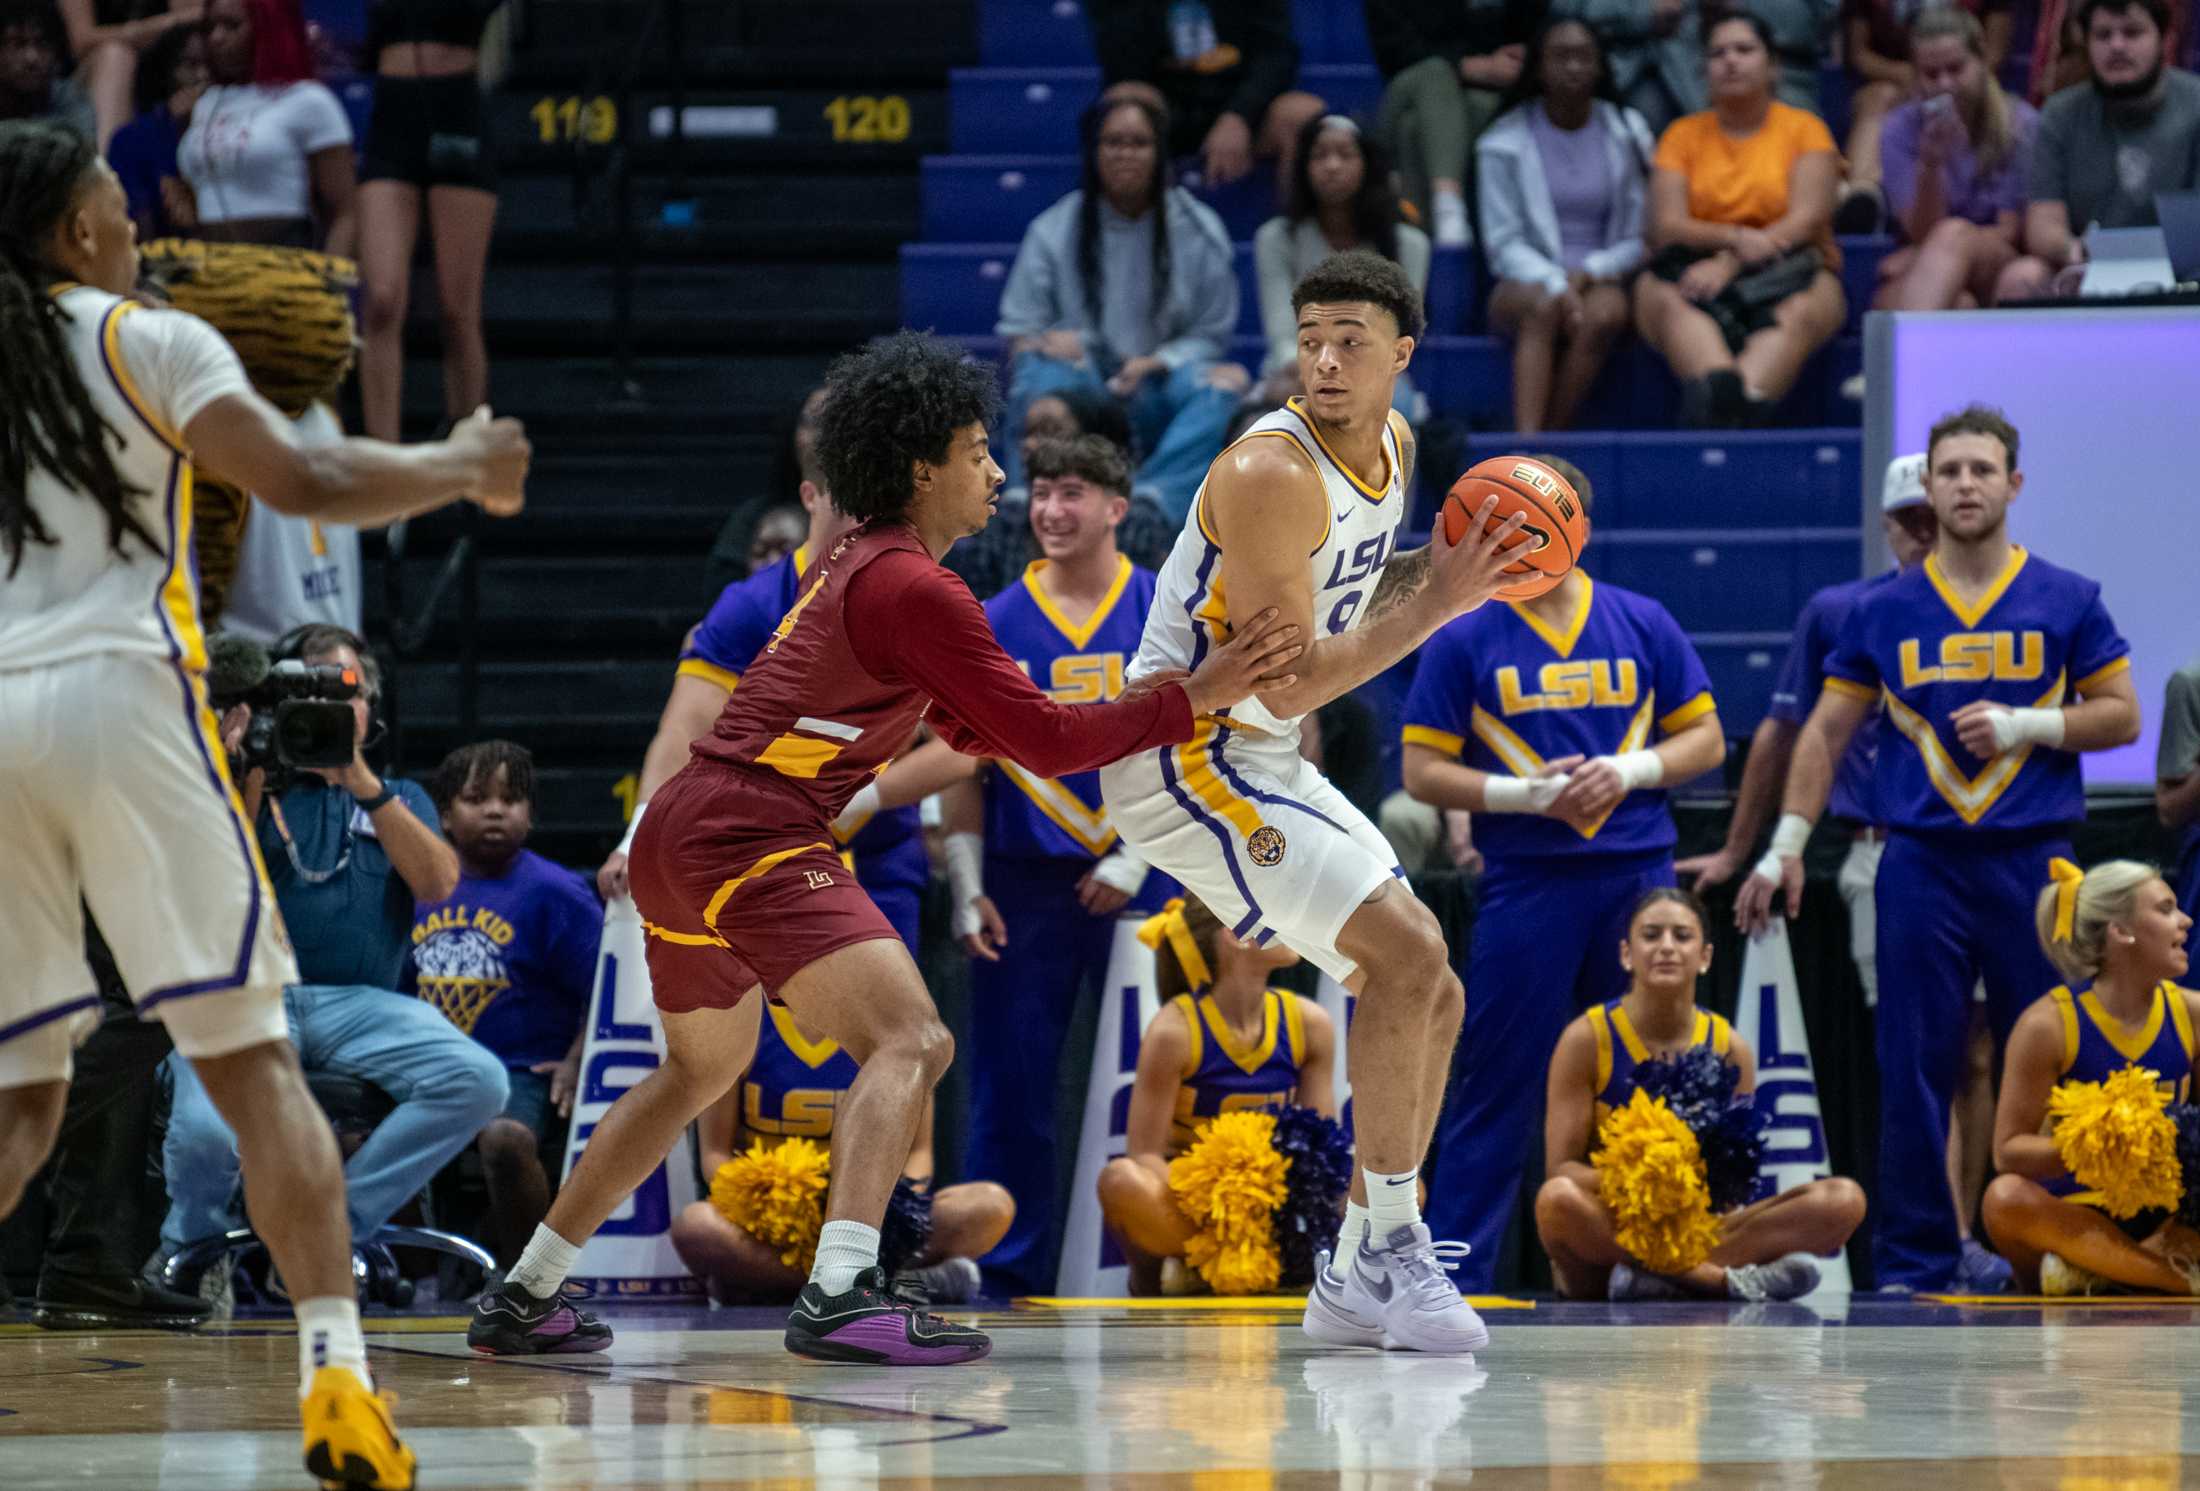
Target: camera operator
(348,853)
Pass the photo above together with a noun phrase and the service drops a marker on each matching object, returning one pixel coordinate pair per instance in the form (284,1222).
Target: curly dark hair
(1363,274)
(1375,215)
(1975,419)
(480,762)
(1093,458)
(897,402)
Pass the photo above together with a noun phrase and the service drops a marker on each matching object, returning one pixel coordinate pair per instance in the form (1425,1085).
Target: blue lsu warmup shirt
(1033,817)
(888,847)
(2039,636)
(1802,677)
(2095,1049)
(1229,1078)
(794,1084)
(1620,1050)
(1502,691)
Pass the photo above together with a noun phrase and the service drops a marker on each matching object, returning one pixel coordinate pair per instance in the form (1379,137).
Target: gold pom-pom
(776,1194)
(1229,1184)
(2115,1138)
(1650,1176)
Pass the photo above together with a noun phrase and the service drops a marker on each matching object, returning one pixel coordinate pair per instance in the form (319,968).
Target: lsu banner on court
(1092,1265)
(631,1255)
(1770,1018)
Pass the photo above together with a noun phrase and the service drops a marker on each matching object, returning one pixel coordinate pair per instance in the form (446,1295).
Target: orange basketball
(1554,528)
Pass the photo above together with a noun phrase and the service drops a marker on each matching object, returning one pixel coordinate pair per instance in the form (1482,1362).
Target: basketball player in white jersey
(1303,514)
(114,782)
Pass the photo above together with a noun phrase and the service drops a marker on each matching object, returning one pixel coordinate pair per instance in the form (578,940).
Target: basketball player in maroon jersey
(740,887)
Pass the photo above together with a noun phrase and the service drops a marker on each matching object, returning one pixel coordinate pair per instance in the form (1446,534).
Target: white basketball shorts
(1252,829)
(114,789)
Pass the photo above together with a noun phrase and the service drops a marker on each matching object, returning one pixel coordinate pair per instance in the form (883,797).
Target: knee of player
(933,1045)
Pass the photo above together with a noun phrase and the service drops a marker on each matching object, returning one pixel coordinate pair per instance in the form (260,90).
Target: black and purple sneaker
(870,1324)
(509,1321)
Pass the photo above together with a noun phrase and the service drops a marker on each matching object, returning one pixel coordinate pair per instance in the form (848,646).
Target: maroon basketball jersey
(806,711)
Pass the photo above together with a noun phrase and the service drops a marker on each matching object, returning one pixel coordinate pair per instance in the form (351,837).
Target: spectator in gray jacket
(1127,285)
(2106,147)
(1656,50)
(1562,181)
(1341,198)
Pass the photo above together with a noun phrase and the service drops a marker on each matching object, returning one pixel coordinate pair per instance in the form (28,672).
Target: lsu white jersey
(1190,613)
(148,373)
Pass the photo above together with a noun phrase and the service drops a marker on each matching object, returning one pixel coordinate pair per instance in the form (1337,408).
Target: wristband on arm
(1787,843)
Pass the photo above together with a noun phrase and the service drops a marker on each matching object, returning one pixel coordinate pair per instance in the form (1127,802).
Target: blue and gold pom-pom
(1699,1086)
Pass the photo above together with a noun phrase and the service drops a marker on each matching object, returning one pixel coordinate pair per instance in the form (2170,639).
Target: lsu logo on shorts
(1265,845)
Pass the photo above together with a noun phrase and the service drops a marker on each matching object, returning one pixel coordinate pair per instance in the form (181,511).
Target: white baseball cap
(1905,483)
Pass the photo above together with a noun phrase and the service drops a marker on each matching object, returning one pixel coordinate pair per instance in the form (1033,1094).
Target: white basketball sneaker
(1409,1281)
(1338,1313)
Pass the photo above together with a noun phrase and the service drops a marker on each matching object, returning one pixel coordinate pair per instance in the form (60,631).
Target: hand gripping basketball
(1552,527)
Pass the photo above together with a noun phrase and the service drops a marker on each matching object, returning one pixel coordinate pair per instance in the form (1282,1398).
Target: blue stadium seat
(997,110)
(1743,667)
(1454,288)
(1596,453)
(953,288)
(990,198)
(1737,479)
(1033,33)
(1330,32)
(1714,580)
(1860,260)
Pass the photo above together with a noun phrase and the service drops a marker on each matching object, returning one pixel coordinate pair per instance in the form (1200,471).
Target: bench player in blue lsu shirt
(1557,722)
(1974,656)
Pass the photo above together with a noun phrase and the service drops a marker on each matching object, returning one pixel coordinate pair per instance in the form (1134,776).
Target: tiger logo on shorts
(1266,846)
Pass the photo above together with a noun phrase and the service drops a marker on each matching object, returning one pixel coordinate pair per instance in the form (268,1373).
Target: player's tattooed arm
(1403,578)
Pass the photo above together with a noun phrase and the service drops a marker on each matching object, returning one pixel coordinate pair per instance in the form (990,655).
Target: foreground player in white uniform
(114,782)
(1255,831)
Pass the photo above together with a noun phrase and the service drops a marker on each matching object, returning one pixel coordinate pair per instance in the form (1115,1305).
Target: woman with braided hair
(115,795)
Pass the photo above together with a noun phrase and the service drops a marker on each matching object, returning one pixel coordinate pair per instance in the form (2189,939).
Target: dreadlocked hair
(47,418)
(480,762)
(1095,123)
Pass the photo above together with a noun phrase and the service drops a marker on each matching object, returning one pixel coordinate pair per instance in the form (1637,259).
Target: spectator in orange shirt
(1742,289)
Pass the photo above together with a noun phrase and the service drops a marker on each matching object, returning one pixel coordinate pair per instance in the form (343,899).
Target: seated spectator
(1743,289)
(268,156)
(1221,71)
(2116,933)
(348,854)
(1127,285)
(779,531)
(32,45)
(1956,161)
(2105,149)
(1195,1062)
(1446,67)
(1340,198)
(107,36)
(1656,49)
(1769,1249)
(510,958)
(170,79)
(2059,52)
(1562,189)
(1880,40)
(793,1088)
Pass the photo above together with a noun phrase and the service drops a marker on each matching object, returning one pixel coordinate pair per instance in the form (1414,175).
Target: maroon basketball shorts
(734,890)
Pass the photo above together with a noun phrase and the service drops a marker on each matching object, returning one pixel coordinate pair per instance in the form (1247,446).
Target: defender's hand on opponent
(1258,657)
(1467,573)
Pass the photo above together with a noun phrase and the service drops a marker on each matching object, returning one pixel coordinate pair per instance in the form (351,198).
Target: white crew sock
(844,1249)
(328,1336)
(545,1262)
(1351,1235)
(1393,1201)
(1449,221)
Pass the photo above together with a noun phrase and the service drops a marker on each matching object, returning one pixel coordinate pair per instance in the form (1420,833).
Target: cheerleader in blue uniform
(2116,933)
(1768,1249)
(1224,1041)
